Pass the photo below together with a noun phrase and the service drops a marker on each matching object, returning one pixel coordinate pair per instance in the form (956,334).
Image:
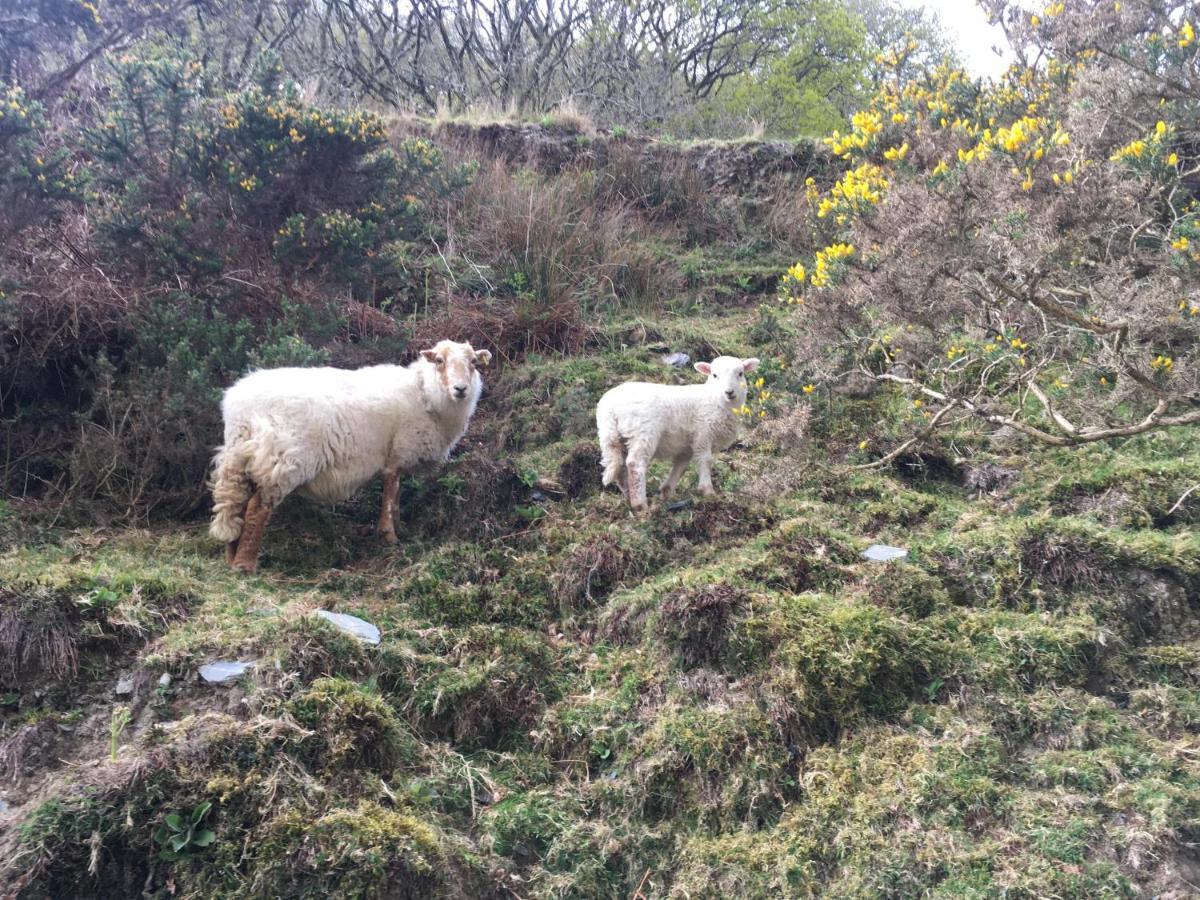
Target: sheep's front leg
(258,513)
(677,470)
(704,461)
(387,524)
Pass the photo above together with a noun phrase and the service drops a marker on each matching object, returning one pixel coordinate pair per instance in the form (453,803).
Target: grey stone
(164,680)
(224,672)
(678,360)
(3,806)
(124,685)
(884,553)
(351,625)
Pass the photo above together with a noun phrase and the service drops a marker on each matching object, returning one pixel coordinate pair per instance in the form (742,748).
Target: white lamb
(638,422)
(325,432)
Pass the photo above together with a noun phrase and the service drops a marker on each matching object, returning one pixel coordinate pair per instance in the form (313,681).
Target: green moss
(364,850)
(353,728)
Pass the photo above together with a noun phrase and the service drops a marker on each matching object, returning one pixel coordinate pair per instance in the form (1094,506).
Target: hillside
(722,698)
(977,314)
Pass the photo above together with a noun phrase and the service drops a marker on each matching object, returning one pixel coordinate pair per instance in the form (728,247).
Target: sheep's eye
(440,361)
(714,375)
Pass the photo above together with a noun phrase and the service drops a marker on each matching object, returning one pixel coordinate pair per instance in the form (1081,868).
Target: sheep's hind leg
(636,479)
(249,546)
(677,470)
(387,523)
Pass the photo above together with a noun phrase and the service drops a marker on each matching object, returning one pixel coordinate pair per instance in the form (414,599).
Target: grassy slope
(721,700)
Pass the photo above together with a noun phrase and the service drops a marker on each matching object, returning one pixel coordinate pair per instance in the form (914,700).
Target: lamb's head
(727,376)
(457,370)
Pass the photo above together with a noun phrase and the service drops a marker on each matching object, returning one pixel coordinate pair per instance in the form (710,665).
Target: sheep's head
(457,368)
(727,375)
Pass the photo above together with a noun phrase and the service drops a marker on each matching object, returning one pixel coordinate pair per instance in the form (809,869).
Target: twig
(1179,502)
(928,430)
(638,895)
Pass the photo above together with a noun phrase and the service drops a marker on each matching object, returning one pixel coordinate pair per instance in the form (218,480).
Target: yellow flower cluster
(1148,147)
(858,189)
(865,125)
(1187,35)
(831,254)
(1162,364)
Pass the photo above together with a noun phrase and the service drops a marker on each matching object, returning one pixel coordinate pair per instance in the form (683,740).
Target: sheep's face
(457,369)
(727,376)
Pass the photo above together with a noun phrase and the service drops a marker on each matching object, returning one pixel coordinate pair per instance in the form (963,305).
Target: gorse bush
(222,231)
(1022,254)
(35,171)
(200,182)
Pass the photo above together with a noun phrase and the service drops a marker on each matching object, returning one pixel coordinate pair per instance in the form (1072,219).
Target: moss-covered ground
(721,699)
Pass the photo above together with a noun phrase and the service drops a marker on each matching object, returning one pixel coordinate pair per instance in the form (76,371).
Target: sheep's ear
(704,368)
(429,355)
(483,357)
(749,365)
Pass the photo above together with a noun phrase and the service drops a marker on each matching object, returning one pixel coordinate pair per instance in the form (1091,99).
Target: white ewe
(326,431)
(638,422)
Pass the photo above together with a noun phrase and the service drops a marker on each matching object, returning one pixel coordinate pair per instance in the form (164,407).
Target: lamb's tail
(612,448)
(231,489)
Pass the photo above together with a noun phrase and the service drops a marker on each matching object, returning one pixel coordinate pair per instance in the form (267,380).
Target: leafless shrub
(1045,286)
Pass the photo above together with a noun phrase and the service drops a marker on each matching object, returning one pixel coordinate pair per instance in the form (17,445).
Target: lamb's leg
(704,461)
(623,481)
(677,470)
(387,524)
(230,552)
(636,480)
(258,514)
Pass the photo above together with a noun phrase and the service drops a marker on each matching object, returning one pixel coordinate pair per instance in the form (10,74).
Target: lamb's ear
(429,355)
(704,368)
(749,365)
(483,357)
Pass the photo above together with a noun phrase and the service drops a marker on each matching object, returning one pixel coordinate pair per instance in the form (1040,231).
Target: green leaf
(161,835)
(204,837)
(200,812)
(178,842)
(175,822)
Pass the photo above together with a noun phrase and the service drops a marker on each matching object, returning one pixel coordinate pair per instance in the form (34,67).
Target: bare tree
(44,46)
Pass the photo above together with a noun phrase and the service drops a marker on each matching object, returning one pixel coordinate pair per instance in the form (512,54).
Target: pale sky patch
(968,28)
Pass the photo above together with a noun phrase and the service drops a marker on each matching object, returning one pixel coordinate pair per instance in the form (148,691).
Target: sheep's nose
(729,394)
(460,391)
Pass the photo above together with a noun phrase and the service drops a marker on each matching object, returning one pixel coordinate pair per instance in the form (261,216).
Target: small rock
(124,685)
(884,553)
(538,497)
(3,806)
(351,625)
(678,360)
(164,680)
(678,505)
(224,672)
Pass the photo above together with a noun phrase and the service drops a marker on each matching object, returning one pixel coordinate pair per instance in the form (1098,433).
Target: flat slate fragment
(224,671)
(884,553)
(352,625)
